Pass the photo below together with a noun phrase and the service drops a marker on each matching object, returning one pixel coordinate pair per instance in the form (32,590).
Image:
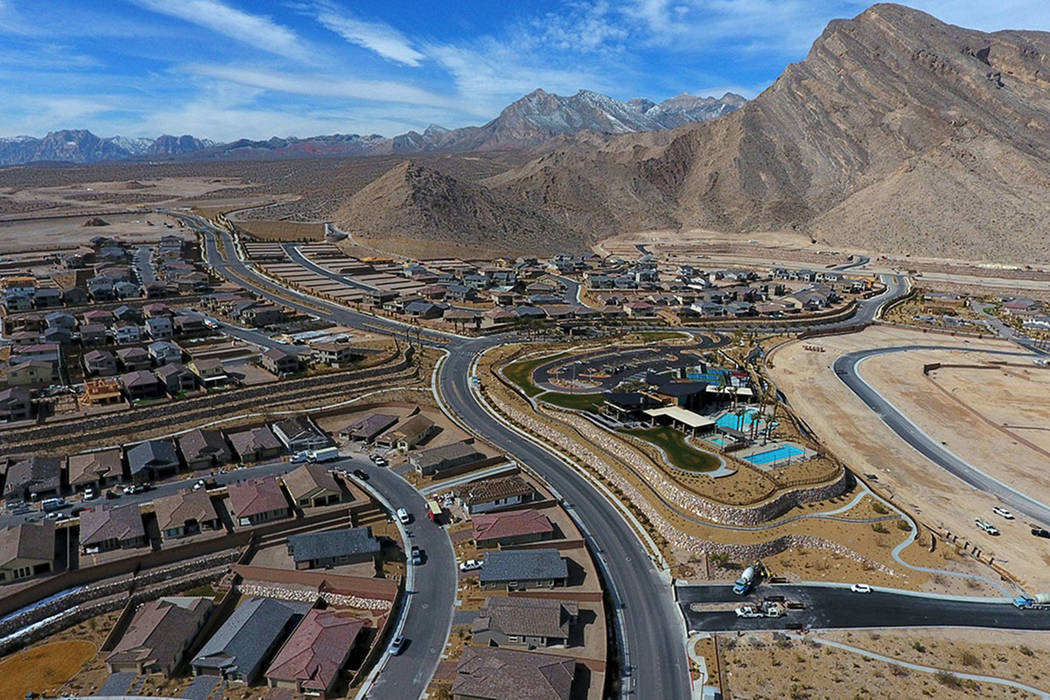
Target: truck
(326,454)
(52,504)
(746,581)
(1040,601)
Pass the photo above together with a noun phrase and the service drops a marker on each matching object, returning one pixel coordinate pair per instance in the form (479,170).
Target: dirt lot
(856,435)
(65,233)
(43,669)
(762,666)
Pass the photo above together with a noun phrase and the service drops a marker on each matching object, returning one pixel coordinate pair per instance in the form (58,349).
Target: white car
(748,611)
(860,588)
(470,565)
(1003,513)
(403,516)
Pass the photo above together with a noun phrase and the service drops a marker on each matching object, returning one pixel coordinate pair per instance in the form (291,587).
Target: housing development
(309,418)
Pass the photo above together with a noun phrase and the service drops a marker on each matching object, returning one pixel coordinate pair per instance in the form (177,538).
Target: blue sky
(225,69)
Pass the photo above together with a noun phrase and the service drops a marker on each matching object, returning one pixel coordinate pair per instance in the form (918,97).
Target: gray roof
(99,524)
(250,632)
(523,565)
(312,546)
(155,454)
(526,616)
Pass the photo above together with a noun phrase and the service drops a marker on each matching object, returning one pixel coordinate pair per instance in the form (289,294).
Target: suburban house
(123,335)
(159,635)
(33,478)
(300,433)
(249,636)
(134,359)
(175,378)
(511,527)
(255,444)
(203,449)
(279,362)
(492,494)
(484,673)
(369,427)
(521,569)
(524,622)
(257,501)
(102,391)
(159,327)
(162,352)
(312,485)
(33,372)
(95,469)
(335,354)
(311,660)
(16,404)
(93,334)
(152,460)
(210,372)
(319,550)
(184,513)
(103,529)
(141,385)
(408,434)
(446,459)
(26,549)
(100,363)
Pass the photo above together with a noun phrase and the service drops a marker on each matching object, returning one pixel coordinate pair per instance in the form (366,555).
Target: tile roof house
(257,501)
(176,378)
(409,433)
(366,429)
(312,485)
(255,444)
(203,449)
(33,478)
(501,674)
(26,549)
(526,622)
(152,460)
(318,550)
(103,529)
(519,569)
(100,362)
(16,404)
(184,513)
(159,635)
(446,459)
(511,527)
(134,358)
(256,628)
(315,653)
(300,433)
(141,384)
(97,469)
(492,494)
(280,362)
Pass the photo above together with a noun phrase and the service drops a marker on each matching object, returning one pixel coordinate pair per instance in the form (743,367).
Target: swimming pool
(782,452)
(721,442)
(732,420)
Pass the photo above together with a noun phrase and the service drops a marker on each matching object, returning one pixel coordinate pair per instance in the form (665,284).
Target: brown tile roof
(502,674)
(100,524)
(317,649)
(411,428)
(260,438)
(307,479)
(27,541)
(493,489)
(160,631)
(539,617)
(256,496)
(174,510)
(513,523)
(88,467)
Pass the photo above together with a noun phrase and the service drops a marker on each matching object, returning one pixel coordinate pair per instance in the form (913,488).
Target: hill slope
(897,133)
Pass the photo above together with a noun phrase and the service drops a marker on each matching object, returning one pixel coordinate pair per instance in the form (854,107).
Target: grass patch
(578,402)
(43,669)
(520,373)
(679,452)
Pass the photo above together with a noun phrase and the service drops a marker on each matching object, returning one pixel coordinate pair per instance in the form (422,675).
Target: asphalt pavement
(827,607)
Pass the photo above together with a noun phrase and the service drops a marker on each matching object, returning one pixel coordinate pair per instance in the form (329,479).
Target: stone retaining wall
(760,550)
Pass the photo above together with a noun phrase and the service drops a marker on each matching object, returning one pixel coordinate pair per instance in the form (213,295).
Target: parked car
(1040,532)
(470,565)
(417,555)
(860,588)
(403,516)
(397,644)
(1003,513)
(361,474)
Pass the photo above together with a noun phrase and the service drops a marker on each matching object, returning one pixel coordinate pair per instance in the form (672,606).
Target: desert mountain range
(897,133)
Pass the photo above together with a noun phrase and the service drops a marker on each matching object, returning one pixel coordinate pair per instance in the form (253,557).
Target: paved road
(847,368)
(143,265)
(1008,332)
(831,607)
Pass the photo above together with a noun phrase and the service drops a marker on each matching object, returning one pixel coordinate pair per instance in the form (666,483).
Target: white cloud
(374,36)
(256,30)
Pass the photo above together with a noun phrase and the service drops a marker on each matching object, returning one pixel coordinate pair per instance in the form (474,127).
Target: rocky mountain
(418,202)
(82,146)
(897,133)
(686,109)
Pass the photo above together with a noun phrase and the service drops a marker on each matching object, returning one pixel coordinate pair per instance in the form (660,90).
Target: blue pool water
(721,442)
(782,452)
(711,376)
(732,420)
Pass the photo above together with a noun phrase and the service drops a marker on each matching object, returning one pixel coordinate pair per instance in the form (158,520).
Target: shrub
(879,528)
(947,679)
(918,646)
(903,525)
(968,658)
(1024,649)
(879,508)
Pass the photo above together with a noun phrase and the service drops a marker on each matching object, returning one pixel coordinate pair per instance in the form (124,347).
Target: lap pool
(782,452)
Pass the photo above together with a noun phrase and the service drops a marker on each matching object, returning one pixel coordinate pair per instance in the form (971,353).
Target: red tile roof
(256,496)
(317,649)
(512,523)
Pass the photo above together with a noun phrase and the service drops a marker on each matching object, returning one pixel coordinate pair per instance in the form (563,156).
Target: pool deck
(761,447)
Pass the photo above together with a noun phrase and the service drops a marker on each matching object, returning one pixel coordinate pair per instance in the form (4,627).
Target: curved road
(846,367)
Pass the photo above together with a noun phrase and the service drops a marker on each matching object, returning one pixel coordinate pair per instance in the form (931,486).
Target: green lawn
(521,373)
(679,452)
(579,402)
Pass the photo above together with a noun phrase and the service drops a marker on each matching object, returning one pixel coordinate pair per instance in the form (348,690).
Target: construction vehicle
(748,579)
(772,609)
(1040,601)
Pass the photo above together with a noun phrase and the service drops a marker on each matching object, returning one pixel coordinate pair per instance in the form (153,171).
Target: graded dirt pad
(68,232)
(761,666)
(856,435)
(43,668)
